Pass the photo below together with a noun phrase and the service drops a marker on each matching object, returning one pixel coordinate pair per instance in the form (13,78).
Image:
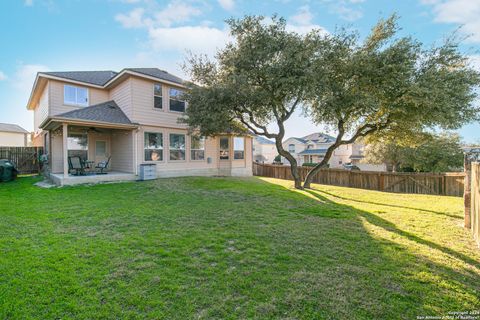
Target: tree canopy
(383,86)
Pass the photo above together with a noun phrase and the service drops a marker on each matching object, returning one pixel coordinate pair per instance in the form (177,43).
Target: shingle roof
(313,151)
(157,73)
(263,140)
(10,127)
(319,137)
(98,78)
(103,112)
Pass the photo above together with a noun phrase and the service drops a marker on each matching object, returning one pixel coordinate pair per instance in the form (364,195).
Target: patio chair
(75,163)
(103,165)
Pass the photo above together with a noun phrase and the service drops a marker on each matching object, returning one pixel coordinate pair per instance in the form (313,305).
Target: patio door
(101,150)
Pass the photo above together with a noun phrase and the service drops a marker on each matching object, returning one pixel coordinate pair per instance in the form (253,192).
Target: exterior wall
(122,95)
(145,113)
(13,139)
(122,151)
(41,111)
(264,153)
(56,161)
(57,105)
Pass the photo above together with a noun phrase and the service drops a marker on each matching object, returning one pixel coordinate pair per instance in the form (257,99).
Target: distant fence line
(26,159)
(475,201)
(449,184)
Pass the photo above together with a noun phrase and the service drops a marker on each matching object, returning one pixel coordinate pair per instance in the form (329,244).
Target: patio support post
(65,149)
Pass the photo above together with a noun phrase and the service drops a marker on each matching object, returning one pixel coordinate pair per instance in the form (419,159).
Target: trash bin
(7,170)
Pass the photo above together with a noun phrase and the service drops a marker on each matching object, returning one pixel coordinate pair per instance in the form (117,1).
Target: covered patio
(91,145)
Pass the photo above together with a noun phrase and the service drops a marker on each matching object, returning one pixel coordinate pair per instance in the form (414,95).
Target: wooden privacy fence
(26,159)
(475,201)
(450,184)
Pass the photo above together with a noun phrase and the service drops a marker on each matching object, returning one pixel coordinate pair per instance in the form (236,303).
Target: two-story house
(131,118)
(312,149)
(264,150)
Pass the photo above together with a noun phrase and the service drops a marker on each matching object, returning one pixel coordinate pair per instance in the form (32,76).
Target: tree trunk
(322,164)
(292,160)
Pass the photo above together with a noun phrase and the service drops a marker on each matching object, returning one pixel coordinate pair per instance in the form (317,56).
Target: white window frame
(235,150)
(289,149)
(156,95)
(175,149)
(192,149)
(170,98)
(75,103)
(162,146)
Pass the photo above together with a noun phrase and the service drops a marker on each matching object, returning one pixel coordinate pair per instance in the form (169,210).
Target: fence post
(467,168)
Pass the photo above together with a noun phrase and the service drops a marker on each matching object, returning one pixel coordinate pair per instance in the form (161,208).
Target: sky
(53,35)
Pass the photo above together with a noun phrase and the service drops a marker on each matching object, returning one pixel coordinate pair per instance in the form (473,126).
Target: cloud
(3,76)
(464,12)
(28,3)
(227,4)
(197,39)
(25,76)
(345,11)
(302,23)
(475,61)
(134,19)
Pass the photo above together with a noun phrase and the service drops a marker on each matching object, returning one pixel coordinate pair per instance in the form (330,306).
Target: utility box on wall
(148,171)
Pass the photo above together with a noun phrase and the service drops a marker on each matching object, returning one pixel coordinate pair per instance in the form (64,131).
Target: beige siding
(143,110)
(12,139)
(57,153)
(122,151)
(122,95)
(41,111)
(57,105)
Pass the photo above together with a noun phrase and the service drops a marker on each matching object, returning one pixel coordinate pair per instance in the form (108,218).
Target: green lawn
(231,248)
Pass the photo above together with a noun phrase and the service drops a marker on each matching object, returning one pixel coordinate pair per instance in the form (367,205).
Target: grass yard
(231,248)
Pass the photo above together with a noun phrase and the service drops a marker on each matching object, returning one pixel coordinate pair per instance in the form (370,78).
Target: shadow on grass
(385,204)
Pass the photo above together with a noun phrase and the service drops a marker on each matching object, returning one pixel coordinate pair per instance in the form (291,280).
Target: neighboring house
(12,135)
(264,150)
(129,117)
(312,149)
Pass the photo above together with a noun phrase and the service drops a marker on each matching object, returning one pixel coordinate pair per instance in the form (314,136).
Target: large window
(157,96)
(224,148)
(75,95)
(77,145)
(291,148)
(197,148)
(176,100)
(177,146)
(153,146)
(238,148)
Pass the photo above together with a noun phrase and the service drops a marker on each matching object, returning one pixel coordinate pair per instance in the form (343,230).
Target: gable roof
(319,137)
(98,78)
(157,73)
(263,140)
(104,112)
(10,127)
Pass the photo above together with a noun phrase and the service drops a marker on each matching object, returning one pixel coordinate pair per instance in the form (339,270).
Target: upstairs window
(238,148)
(176,100)
(197,148)
(75,95)
(291,148)
(157,96)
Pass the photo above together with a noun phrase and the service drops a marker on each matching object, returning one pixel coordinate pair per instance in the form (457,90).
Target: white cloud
(475,62)
(134,19)
(227,4)
(3,76)
(25,76)
(303,16)
(464,12)
(176,12)
(28,3)
(345,11)
(197,39)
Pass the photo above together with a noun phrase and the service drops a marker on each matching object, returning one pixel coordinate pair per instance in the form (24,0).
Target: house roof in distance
(103,112)
(263,140)
(313,152)
(319,137)
(10,127)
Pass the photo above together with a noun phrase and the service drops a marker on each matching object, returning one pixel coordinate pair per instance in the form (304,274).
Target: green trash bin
(7,170)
